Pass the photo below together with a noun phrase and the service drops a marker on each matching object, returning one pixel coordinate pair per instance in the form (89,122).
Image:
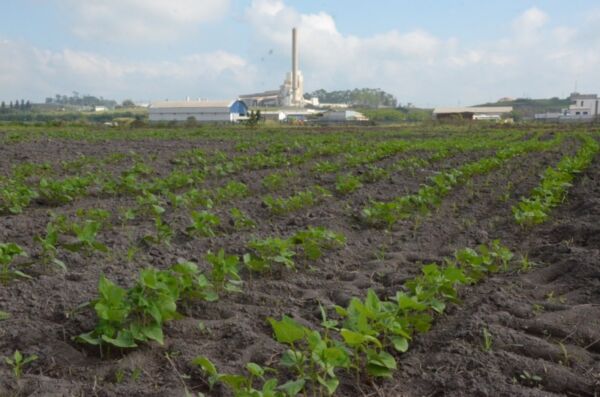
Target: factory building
(343,116)
(201,111)
(290,93)
(493,113)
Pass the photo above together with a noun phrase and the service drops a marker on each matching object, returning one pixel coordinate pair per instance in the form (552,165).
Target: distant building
(583,105)
(201,111)
(493,113)
(583,108)
(343,116)
(100,108)
(273,115)
(290,93)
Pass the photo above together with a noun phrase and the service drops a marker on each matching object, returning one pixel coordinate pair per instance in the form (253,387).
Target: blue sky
(427,53)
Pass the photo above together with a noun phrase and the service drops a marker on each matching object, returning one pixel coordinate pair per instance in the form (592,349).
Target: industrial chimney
(294,67)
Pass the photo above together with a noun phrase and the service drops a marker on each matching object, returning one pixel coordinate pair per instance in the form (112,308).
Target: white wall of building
(202,111)
(584,107)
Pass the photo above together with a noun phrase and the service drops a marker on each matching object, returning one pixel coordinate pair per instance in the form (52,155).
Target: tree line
(16,105)
(360,97)
(80,100)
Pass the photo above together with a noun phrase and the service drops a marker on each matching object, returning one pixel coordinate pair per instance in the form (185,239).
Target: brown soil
(544,322)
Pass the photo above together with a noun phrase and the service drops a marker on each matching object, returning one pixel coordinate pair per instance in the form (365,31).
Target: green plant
(8,251)
(273,182)
(373,174)
(18,361)
(232,190)
(346,184)
(315,239)
(303,199)
(224,274)
(49,246)
(14,197)
(58,192)
(325,167)
(243,386)
(203,223)
(378,319)
(526,264)
(530,379)
(554,184)
(270,252)
(94,214)
(487,259)
(86,237)
(150,204)
(487,339)
(241,221)
(314,358)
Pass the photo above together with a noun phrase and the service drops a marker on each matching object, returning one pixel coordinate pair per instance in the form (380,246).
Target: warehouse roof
(191,104)
(476,110)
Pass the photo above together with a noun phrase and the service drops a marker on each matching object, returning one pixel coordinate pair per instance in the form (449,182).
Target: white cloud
(33,73)
(134,20)
(531,57)
(531,20)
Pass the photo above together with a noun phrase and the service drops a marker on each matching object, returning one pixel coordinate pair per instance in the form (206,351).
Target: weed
(530,379)
(537,309)
(487,340)
(17,362)
(8,251)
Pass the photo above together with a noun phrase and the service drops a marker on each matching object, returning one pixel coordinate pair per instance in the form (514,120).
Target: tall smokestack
(294,66)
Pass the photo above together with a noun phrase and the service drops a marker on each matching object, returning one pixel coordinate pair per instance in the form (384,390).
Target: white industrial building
(583,107)
(290,93)
(343,116)
(494,113)
(201,111)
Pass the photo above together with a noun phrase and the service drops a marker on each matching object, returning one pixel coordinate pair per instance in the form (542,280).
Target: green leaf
(4,315)
(233,381)
(330,384)
(291,358)
(355,339)
(287,330)
(380,364)
(123,339)
(255,369)
(88,338)
(21,274)
(292,388)
(154,332)
(206,365)
(60,264)
(400,343)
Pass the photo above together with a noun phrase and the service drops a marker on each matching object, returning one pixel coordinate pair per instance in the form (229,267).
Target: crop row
(554,184)
(366,335)
(16,194)
(386,214)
